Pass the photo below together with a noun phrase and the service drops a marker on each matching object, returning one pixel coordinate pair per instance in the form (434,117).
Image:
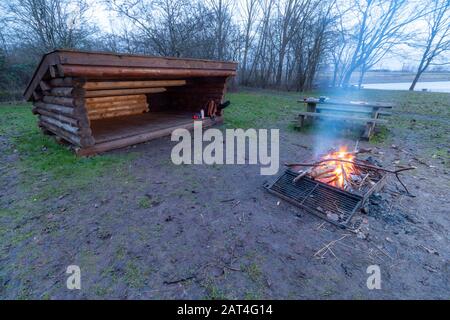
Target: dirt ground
(151,230)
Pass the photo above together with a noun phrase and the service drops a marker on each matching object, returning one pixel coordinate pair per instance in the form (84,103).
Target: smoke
(332,134)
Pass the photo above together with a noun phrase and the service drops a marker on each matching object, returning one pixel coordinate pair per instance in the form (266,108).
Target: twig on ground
(180,280)
(331,243)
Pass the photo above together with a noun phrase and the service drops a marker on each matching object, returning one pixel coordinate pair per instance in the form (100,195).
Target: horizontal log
(116,108)
(116,98)
(63,101)
(205,85)
(67,111)
(116,103)
(121,92)
(102,105)
(100,72)
(102,85)
(68,136)
(111,59)
(59,124)
(340,117)
(57,116)
(62,91)
(62,82)
(109,105)
(113,114)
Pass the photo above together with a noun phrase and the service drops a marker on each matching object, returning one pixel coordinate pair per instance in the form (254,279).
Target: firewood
(359,164)
(319,170)
(324,176)
(301,175)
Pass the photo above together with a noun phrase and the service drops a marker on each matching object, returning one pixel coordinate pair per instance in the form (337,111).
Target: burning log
(341,169)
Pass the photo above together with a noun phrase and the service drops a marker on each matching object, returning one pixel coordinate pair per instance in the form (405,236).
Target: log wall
(61,110)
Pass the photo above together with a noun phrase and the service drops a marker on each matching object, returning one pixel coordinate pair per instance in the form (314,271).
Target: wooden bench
(350,110)
(379,105)
(370,122)
(357,111)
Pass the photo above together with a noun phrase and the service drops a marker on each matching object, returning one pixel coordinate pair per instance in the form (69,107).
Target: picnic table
(355,111)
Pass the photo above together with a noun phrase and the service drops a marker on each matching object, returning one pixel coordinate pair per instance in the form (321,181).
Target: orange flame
(340,170)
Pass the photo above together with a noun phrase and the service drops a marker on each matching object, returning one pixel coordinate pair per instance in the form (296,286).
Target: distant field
(396,76)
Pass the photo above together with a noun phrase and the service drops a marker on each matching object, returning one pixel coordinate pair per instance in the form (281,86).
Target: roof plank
(111,66)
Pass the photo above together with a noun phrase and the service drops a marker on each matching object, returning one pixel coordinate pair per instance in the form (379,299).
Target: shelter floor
(110,129)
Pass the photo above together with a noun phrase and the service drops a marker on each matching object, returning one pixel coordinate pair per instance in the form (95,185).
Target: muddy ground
(152,230)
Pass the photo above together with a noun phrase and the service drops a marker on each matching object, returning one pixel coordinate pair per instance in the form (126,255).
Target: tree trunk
(361,77)
(416,79)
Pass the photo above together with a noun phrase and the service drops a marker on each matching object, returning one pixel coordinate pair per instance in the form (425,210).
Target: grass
(42,169)
(259,109)
(213,292)
(144,203)
(253,271)
(423,116)
(133,276)
(41,155)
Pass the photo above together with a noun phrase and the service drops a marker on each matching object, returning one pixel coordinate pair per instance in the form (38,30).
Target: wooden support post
(52,71)
(370,126)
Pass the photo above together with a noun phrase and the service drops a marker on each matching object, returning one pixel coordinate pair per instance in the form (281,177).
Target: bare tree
(48,24)
(251,11)
(380,26)
(437,40)
(341,47)
(221,11)
(262,53)
(291,13)
(312,43)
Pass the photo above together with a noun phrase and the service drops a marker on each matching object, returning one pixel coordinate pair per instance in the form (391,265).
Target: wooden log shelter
(101,101)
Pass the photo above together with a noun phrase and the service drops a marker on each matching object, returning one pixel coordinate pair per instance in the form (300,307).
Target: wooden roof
(111,66)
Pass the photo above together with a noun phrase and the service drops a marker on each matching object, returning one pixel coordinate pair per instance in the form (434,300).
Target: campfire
(337,173)
(342,169)
(334,186)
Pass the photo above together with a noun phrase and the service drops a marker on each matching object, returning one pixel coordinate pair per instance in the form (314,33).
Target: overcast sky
(108,21)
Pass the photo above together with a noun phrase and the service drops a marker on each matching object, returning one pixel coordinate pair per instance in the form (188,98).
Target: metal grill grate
(318,198)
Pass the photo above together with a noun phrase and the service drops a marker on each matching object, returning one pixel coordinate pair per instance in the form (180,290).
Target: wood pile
(106,99)
(347,176)
(115,106)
